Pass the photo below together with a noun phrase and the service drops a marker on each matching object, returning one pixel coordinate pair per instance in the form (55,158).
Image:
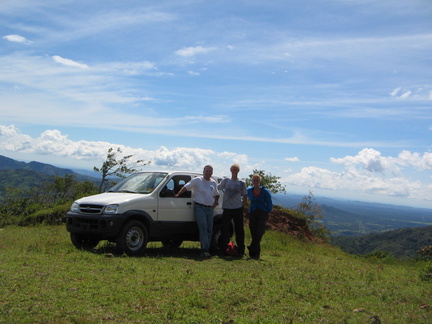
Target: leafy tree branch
(119,167)
(269,181)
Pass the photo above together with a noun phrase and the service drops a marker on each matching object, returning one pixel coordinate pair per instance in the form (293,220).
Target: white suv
(139,209)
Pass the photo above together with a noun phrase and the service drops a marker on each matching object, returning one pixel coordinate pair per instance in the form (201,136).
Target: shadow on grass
(110,250)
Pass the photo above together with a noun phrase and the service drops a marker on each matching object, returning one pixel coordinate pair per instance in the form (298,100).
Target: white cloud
(369,160)
(372,161)
(53,143)
(353,180)
(395,92)
(292,159)
(371,173)
(69,62)
(50,142)
(127,68)
(417,94)
(363,173)
(406,94)
(12,140)
(207,119)
(420,162)
(226,159)
(192,51)
(17,39)
(184,158)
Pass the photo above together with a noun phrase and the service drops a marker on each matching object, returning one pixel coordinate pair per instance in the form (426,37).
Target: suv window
(144,182)
(175,184)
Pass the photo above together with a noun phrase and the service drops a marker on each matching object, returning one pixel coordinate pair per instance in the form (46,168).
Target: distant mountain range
(350,218)
(364,228)
(16,174)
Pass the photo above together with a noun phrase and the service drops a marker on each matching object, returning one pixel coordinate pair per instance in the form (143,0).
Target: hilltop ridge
(47,169)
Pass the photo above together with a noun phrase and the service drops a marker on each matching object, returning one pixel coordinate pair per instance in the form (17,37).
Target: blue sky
(333,97)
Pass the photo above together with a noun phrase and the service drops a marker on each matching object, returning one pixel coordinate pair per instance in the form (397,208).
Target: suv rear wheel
(133,238)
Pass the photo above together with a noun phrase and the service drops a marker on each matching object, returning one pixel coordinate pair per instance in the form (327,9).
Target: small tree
(313,213)
(426,252)
(66,188)
(269,181)
(84,188)
(117,167)
(61,188)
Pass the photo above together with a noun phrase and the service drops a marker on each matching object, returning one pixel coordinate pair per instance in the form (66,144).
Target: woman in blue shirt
(260,207)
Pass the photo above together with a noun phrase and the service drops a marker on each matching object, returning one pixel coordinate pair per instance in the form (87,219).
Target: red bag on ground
(232,249)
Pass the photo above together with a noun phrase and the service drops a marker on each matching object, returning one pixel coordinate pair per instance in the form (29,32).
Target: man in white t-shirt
(206,198)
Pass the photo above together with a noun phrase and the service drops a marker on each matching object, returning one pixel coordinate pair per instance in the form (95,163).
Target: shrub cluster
(426,272)
(45,204)
(426,252)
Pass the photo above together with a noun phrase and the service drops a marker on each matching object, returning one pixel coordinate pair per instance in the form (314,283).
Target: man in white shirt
(206,198)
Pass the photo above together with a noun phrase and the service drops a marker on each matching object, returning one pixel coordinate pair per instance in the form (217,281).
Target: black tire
(133,238)
(172,244)
(83,242)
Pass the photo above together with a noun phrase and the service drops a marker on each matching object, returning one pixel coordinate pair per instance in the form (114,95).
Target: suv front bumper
(102,225)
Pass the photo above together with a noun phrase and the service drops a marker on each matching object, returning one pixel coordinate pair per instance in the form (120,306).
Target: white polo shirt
(204,191)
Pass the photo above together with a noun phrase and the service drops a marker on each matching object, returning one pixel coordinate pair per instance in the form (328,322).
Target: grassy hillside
(22,179)
(44,279)
(401,243)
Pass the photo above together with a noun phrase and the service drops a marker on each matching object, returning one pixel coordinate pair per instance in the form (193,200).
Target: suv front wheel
(133,238)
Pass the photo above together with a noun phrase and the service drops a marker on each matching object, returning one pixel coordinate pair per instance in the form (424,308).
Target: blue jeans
(204,219)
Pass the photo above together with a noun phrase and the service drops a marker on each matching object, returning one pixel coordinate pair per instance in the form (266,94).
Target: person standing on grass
(234,201)
(260,207)
(206,198)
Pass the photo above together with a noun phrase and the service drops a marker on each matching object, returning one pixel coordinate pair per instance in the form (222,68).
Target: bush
(426,252)
(46,204)
(50,216)
(313,213)
(426,272)
(380,255)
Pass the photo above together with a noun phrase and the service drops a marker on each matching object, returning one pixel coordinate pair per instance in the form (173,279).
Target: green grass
(44,279)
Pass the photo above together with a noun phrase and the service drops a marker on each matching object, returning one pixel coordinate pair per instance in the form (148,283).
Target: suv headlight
(111,209)
(75,207)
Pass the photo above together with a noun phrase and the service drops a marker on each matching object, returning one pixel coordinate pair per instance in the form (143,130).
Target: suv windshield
(144,182)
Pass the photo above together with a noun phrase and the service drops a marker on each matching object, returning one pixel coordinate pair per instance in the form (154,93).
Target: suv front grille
(90,209)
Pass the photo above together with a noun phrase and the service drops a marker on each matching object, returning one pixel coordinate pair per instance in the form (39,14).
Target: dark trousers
(257,225)
(236,215)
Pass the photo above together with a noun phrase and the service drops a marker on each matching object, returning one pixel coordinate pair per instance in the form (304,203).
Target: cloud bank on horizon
(334,97)
(368,171)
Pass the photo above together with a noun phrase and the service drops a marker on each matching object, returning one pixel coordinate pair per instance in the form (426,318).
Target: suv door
(175,209)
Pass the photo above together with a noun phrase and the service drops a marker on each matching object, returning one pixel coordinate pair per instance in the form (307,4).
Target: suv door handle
(188,203)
